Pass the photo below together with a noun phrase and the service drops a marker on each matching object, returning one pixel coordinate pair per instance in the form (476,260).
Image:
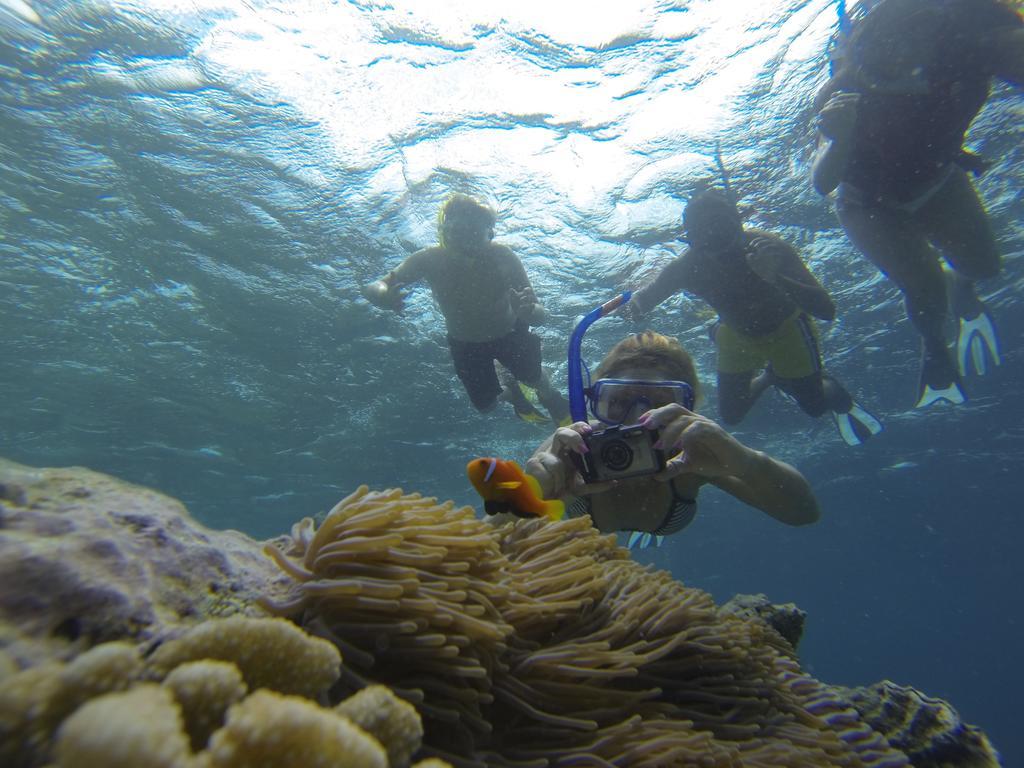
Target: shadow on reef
(403,629)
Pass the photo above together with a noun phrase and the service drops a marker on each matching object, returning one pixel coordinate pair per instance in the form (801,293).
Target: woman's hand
(696,444)
(554,467)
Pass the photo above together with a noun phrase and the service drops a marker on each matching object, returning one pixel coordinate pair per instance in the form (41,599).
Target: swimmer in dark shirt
(909,78)
(766,300)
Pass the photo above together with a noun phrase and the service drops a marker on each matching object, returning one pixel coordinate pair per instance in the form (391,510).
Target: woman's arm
(774,487)
(703,448)
(837,120)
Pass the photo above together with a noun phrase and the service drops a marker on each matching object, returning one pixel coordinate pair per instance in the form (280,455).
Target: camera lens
(616,455)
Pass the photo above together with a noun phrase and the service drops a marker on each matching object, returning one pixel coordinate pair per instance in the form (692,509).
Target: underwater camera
(620,452)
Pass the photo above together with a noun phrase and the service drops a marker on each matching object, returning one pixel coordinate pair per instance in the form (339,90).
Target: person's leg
(895,244)
(474,365)
(817,394)
(795,364)
(520,352)
(959,226)
(956,221)
(892,242)
(514,395)
(738,361)
(736,396)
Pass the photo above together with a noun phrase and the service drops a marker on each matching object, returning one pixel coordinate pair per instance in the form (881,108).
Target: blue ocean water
(192,192)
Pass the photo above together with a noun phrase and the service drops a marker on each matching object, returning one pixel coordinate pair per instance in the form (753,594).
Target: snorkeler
(488,305)
(909,77)
(765,298)
(637,461)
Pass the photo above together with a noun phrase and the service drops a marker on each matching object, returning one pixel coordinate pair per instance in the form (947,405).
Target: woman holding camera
(649,380)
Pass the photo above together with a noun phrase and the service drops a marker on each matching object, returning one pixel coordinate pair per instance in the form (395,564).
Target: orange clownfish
(506,488)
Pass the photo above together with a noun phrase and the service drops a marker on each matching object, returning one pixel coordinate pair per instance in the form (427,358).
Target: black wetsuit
(910,131)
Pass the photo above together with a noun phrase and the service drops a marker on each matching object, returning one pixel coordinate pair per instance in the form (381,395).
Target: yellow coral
(271,653)
(268,730)
(8,666)
(23,698)
(34,702)
(393,722)
(205,690)
(125,730)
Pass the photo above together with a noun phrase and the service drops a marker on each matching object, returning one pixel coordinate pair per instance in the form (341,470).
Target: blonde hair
(649,349)
(464,207)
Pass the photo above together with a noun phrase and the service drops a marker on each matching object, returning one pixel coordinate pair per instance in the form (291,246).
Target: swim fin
(530,415)
(976,336)
(856,424)
(939,381)
(642,540)
(515,393)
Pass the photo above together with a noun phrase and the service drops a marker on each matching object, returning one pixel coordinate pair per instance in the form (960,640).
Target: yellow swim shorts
(792,349)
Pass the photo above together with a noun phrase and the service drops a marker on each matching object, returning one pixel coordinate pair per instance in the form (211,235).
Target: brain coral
(268,729)
(539,643)
(271,653)
(125,730)
(394,723)
(205,690)
(35,701)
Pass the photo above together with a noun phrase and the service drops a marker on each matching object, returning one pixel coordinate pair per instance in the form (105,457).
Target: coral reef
(929,731)
(86,557)
(125,730)
(787,619)
(543,643)
(394,722)
(270,653)
(271,729)
(533,644)
(205,690)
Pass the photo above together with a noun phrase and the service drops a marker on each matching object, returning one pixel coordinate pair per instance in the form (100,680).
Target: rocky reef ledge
(394,629)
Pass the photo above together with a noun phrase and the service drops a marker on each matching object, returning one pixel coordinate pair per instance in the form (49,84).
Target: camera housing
(619,452)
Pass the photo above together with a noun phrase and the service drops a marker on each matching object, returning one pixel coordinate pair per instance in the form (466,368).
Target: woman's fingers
(670,421)
(571,438)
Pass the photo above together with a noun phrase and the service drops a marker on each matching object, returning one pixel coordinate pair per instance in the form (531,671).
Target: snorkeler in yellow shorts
(765,298)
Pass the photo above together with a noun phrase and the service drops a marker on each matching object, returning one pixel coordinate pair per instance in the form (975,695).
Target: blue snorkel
(577,397)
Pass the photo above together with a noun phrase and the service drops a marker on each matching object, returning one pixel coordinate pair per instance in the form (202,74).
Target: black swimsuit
(680,513)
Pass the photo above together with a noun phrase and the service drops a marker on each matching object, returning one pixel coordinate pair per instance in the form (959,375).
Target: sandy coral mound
(86,558)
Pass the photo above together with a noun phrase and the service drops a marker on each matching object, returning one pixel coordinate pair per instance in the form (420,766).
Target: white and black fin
(857,425)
